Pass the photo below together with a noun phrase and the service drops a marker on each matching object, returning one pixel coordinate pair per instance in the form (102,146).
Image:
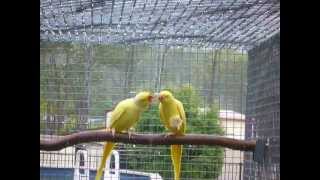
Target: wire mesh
(263,108)
(79,82)
(238,24)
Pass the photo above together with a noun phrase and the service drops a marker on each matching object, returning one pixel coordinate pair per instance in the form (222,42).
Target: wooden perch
(146,139)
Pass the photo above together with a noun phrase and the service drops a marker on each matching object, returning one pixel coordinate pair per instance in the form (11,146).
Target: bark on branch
(146,139)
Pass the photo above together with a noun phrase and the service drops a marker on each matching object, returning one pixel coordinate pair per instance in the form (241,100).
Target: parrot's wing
(181,110)
(181,113)
(161,114)
(116,115)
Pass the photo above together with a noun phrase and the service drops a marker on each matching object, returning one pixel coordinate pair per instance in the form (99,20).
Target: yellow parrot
(123,117)
(172,115)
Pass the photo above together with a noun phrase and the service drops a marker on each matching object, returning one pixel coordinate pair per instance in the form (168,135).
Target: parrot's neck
(169,101)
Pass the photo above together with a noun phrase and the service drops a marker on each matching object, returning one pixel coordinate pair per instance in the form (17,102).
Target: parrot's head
(165,96)
(143,99)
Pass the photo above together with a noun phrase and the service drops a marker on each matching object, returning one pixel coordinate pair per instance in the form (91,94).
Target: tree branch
(146,139)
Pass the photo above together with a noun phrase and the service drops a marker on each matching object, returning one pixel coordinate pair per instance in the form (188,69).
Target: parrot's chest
(128,119)
(170,111)
(133,114)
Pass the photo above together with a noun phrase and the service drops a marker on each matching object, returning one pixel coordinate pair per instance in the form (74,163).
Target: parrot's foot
(130,134)
(113,132)
(169,134)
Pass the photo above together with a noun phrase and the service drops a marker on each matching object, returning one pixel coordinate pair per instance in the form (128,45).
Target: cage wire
(208,83)
(94,54)
(239,24)
(263,108)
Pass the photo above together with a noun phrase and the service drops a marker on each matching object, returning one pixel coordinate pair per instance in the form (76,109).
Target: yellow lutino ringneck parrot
(172,115)
(123,117)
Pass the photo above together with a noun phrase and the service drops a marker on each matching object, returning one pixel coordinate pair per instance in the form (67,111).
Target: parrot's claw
(130,134)
(168,134)
(113,132)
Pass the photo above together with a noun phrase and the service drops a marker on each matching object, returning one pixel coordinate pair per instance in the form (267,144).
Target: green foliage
(198,162)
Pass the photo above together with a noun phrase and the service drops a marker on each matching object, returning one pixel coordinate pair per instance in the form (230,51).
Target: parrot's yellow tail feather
(106,153)
(176,153)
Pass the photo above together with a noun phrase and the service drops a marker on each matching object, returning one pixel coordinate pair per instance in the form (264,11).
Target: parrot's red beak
(150,98)
(160,98)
